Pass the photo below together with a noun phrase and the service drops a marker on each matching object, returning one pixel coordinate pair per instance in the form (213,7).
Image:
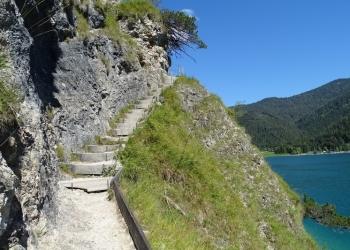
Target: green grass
(105,62)
(99,6)
(112,29)
(268,153)
(136,9)
(132,11)
(163,159)
(110,194)
(74,157)
(61,155)
(8,104)
(109,171)
(50,114)
(120,115)
(83,28)
(120,38)
(9,99)
(65,169)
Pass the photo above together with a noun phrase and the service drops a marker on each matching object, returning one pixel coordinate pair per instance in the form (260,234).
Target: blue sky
(267,48)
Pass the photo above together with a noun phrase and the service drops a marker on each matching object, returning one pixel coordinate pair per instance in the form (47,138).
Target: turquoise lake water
(326,178)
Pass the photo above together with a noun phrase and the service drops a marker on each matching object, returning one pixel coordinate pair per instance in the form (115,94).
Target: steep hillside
(195,181)
(336,137)
(332,111)
(275,121)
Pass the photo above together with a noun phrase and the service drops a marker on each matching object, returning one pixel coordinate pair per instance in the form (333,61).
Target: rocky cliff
(70,85)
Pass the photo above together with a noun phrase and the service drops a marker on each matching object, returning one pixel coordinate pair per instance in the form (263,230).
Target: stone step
(145,101)
(148,97)
(141,106)
(135,111)
(130,122)
(88,184)
(112,139)
(121,131)
(126,125)
(101,148)
(133,116)
(92,168)
(95,157)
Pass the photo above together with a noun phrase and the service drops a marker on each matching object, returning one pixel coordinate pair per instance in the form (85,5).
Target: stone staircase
(97,157)
(88,184)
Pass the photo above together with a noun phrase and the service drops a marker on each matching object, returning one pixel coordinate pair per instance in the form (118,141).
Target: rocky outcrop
(9,205)
(220,133)
(69,90)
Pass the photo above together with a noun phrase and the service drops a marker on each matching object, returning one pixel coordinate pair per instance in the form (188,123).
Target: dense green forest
(317,120)
(335,138)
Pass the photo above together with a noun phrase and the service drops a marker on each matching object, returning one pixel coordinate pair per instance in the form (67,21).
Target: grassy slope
(228,199)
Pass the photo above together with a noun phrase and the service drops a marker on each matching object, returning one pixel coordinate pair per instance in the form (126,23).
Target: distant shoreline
(271,154)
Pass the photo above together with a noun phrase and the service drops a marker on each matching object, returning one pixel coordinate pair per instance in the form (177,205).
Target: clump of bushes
(324,214)
(61,155)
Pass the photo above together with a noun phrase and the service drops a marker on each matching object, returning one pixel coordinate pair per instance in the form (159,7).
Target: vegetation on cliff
(181,30)
(194,181)
(8,97)
(324,214)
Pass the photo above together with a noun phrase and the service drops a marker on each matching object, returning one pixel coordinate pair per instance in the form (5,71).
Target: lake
(326,178)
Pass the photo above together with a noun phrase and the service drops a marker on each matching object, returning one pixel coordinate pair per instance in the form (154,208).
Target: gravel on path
(87,221)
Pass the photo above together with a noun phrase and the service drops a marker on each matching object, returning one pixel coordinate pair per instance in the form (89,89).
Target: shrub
(83,28)
(61,155)
(109,171)
(9,99)
(110,194)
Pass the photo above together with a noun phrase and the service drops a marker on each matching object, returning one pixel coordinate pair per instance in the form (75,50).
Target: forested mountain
(336,137)
(322,117)
(273,122)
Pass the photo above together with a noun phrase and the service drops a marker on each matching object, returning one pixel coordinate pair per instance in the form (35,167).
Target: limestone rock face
(69,89)
(149,35)
(8,184)
(96,20)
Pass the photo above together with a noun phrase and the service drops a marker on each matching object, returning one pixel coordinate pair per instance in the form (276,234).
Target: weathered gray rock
(61,24)
(7,14)
(96,20)
(87,93)
(69,90)
(8,184)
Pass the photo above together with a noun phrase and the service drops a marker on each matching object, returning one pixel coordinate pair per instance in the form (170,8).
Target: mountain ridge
(291,114)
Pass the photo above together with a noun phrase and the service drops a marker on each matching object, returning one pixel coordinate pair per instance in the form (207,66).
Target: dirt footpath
(87,221)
